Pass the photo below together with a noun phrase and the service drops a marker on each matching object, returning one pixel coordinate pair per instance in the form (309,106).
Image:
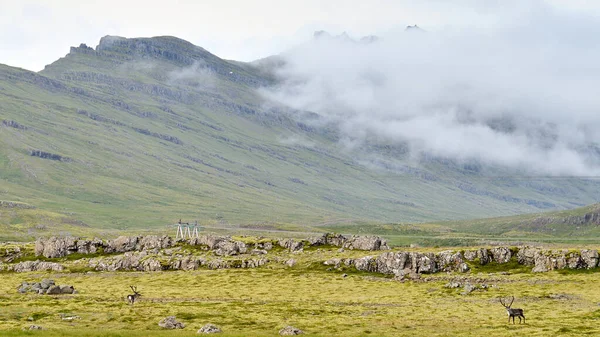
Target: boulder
(46,283)
(209,328)
(292,245)
(501,254)
(55,246)
(365,243)
(424,263)
(53,290)
(67,289)
(290,263)
(28,266)
(170,323)
(468,288)
(230,248)
(527,255)
(330,239)
(34,327)
(290,331)
(122,244)
(367,263)
(155,242)
(590,258)
(211,241)
(390,262)
(451,261)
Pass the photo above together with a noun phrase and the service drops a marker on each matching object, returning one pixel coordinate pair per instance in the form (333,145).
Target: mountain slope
(141,132)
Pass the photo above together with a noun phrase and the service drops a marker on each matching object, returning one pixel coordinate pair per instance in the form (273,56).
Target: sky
(34,33)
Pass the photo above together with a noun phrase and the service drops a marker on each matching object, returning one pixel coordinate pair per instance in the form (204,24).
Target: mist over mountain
(137,132)
(521,98)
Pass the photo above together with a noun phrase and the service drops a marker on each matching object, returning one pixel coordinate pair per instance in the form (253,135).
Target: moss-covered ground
(309,296)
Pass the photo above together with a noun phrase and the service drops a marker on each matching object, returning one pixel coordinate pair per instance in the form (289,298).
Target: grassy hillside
(141,132)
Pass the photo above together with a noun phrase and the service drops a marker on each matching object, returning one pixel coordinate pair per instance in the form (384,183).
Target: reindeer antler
(511,301)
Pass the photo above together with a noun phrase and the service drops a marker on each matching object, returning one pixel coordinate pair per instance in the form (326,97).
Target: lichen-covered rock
(66,289)
(187,263)
(122,244)
(501,254)
(55,246)
(424,263)
(155,242)
(451,261)
(367,263)
(574,261)
(330,239)
(527,255)
(230,248)
(292,245)
(34,327)
(480,254)
(28,266)
(129,261)
(590,258)
(365,243)
(209,328)
(390,262)
(290,331)
(170,322)
(53,290)
(211,241)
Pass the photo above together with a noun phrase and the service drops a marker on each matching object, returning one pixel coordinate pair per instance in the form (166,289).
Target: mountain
(140,132)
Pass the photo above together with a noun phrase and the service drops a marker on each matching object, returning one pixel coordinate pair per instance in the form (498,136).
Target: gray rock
(35,327)
(28,266)
(333,262)
(290,331)
(330,239)
(527,255)
(292,245)
(290,263)
(365,243)
(425,263)
(450,261)
(501,254)
(122,244)
(367,263)
(468,288)
(170,323)
(53,290)
(46,283)
(230,248)
(209,328)
(66,289)
(211,241)
(590,258)
(55,246)
(453,285)
(259,252)
(155,242)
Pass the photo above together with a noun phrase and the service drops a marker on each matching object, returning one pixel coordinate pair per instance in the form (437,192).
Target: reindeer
(513,312)
(136,294)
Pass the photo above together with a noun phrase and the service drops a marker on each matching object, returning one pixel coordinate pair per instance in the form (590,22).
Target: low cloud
(521,96)
(197,75)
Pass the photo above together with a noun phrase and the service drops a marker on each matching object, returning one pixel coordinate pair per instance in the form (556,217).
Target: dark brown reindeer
(513,312)
(136,294)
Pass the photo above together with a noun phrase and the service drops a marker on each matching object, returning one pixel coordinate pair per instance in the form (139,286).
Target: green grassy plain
(259,302)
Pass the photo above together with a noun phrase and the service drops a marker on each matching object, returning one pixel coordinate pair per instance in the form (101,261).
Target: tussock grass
(259,302)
